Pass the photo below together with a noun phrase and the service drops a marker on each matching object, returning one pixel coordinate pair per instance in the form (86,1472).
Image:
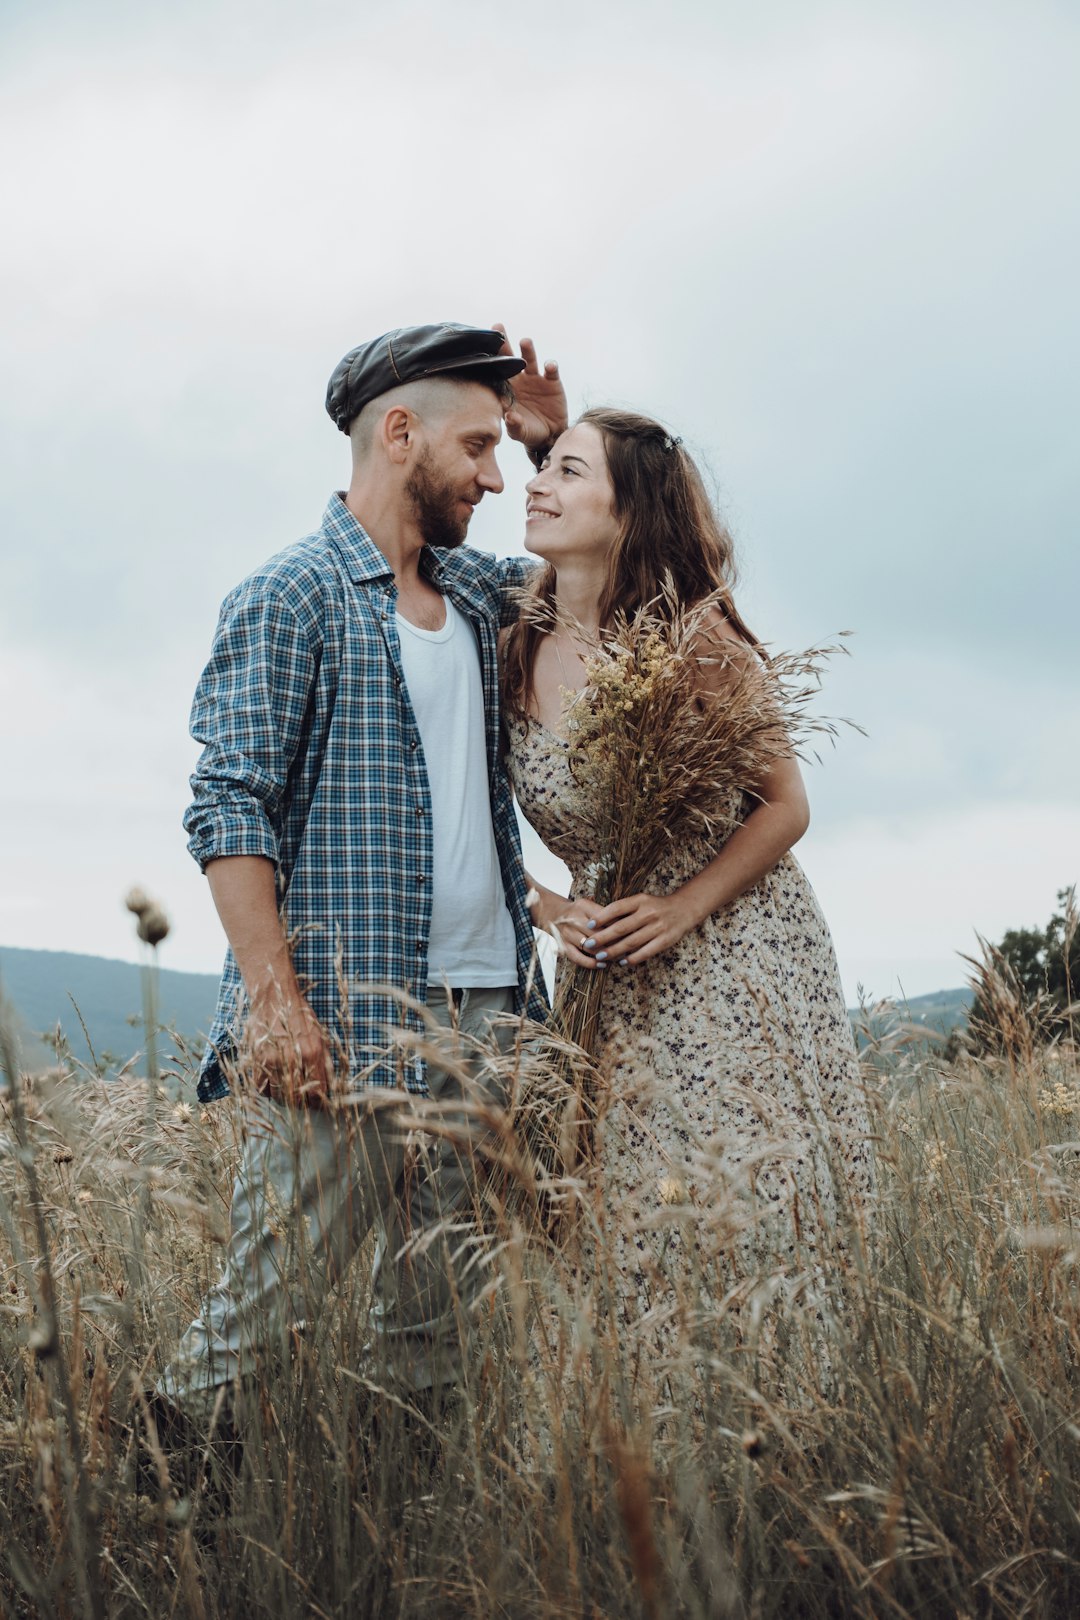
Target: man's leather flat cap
(410,353)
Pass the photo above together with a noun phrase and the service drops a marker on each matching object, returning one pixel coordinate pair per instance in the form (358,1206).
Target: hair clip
(672,443)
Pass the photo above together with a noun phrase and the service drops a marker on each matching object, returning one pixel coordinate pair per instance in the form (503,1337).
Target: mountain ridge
(42,985)
(48,988)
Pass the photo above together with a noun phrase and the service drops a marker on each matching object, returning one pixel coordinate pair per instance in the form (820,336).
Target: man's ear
(398,433)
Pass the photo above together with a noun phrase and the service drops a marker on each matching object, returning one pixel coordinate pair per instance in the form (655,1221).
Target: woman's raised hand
(539,412)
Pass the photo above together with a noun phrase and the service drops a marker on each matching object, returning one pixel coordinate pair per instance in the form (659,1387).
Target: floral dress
(734,1130)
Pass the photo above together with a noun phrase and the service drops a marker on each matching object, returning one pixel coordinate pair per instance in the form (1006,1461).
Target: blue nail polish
(591,925)
(601,956)
(623,960)
(588,945)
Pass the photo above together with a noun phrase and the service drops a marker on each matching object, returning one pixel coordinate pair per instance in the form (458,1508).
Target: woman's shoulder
(715,637)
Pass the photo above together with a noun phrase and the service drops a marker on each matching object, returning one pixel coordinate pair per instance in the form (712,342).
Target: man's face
(455,465)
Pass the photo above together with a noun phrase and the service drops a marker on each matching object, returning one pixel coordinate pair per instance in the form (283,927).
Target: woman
(723,1027)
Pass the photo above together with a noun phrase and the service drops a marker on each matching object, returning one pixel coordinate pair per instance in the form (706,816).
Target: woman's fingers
(577,936)
(637,941)
(528,354)
(620,911)
(603,915)
(630,930)
(607,936)
(618,931)
(575,954)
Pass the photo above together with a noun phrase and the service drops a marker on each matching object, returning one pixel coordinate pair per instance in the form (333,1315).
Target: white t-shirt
(472,941)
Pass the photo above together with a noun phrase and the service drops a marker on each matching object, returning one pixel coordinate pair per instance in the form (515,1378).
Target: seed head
(152,925)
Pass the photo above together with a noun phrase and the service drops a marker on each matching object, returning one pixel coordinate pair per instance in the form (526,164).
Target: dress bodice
(551,800)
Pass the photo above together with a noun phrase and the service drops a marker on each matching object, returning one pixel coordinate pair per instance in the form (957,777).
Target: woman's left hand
(629,931)
(540,411)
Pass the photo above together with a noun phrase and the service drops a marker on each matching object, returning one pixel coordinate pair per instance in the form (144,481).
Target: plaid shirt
(312,758)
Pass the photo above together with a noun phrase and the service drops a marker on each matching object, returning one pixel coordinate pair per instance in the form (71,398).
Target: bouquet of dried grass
(675,726)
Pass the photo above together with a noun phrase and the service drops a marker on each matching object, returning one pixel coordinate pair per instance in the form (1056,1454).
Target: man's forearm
(245,894)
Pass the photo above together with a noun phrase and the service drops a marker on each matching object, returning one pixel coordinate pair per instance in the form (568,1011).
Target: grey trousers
(310,1187)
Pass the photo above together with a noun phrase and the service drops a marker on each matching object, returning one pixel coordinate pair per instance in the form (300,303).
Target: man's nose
(490,476)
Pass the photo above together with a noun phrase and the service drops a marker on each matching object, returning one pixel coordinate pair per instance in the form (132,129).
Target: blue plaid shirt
(312,758)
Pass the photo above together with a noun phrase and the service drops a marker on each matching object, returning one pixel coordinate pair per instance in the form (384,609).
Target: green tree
(1035,971)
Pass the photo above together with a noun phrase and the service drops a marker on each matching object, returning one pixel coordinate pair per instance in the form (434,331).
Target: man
(358,836)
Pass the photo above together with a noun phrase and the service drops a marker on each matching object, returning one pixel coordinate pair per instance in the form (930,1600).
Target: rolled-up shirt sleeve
(249,713)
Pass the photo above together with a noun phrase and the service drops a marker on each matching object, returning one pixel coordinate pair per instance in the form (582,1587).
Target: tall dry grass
(905,1442)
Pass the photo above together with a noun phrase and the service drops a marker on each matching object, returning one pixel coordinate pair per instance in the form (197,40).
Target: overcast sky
(835,246)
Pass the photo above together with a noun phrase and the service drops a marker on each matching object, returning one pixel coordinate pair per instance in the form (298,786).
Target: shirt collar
(364,559)
(362,556)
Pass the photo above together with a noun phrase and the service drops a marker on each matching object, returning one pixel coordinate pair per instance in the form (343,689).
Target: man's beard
(435,504)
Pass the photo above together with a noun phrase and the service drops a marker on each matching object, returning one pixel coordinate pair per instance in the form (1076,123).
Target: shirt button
(421,877)
(419,947)
(419,809)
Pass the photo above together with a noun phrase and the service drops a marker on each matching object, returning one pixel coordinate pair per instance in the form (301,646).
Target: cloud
(835,249)
(904,895)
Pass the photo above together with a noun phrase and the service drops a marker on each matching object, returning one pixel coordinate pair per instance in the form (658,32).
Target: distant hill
(937,1013)
(41,985)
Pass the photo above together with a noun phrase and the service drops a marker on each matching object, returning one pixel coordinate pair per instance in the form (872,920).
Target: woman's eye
(572,470)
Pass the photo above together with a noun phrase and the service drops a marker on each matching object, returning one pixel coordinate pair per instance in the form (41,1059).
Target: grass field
(906,1443)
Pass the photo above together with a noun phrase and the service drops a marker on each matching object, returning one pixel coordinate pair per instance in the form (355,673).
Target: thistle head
(152,924)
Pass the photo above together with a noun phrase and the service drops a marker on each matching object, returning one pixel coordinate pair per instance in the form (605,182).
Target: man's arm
(249,713)
(283,1039)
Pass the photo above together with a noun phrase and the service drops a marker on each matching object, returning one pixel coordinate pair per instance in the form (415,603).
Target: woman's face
(570,502)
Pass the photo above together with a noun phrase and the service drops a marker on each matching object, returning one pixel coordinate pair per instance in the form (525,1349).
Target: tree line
(1037,970)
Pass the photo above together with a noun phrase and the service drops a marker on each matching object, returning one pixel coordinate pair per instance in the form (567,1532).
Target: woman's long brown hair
(668,530)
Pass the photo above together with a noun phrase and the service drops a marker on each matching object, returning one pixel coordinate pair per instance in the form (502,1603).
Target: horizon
(213,976)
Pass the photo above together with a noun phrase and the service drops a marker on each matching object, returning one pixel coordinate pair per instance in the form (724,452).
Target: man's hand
(539,412)
(284,1043)
(287,1055)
